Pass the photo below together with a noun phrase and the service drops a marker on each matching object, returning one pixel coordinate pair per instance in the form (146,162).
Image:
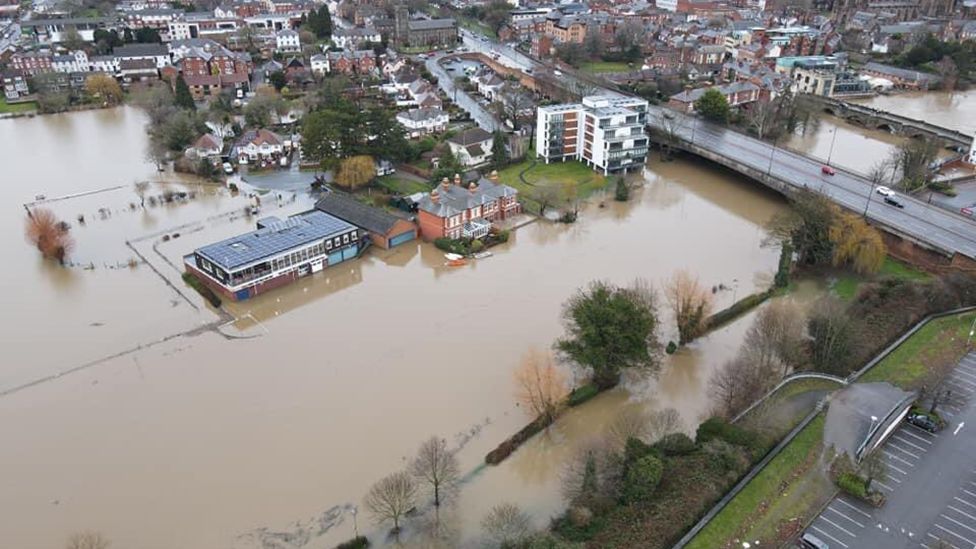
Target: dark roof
(455,199)
(275,238)
(431,24)
(349,209)
(141,50)
(470,137)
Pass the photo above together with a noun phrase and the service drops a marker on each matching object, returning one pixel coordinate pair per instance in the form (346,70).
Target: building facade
(459,211)
(607,133)
(277,253)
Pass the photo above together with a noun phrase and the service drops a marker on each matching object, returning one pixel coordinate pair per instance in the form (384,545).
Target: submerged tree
(48,234)
(506,525)
(540,386)
(437,467)
(691,304)
(856,244)
(87,540)
(609,329)
(390,498)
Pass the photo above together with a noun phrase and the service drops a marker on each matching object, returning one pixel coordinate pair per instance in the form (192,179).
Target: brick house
(352,62)
(458,211)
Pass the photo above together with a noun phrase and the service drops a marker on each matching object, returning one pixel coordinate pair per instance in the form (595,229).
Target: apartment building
(607,133)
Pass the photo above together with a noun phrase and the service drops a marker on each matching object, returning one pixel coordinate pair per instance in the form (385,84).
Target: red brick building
(459,211)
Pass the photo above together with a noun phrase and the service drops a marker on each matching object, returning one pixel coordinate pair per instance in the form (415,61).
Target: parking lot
(930,484)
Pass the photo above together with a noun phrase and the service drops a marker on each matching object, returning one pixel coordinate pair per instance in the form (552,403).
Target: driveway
(930,486)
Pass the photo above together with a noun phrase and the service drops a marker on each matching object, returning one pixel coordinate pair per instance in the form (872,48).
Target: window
(337,241)
(345,238)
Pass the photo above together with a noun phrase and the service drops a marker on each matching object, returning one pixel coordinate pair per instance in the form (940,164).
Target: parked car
(810,541)
(892,201)
(557,72)
(923,422)
(228,168)
(884,191)
(827,170)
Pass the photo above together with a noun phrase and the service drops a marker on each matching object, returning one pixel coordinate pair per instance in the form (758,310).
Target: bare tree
(590,474)
(48,234)
(762,117)
(436,466)
(831,340)
(690,302)
(632,421)
(776,338)
(874,468)
(540,386)
(949,72)
(141,188)
(391,498)
(513,103)
(545,195)
(506,524)
(663,422)
(735,385)
(87,540)
(913,158)
(669,127)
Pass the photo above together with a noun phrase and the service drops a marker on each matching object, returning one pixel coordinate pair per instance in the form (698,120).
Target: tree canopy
(319,22)
(184,99)
(713,106)
(343,130)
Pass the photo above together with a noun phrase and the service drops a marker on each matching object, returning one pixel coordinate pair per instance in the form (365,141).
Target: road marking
(883,485)
(960,372)
(829,508)
(893,456)
(946,413)
(829,536)
(893,468)
(959,428)
(897,436)
(961,512)
(900,449)
(964,502)
(837,526)
(968,492)
(943,515)
(913,435)
(940,527)
(839,500)
(966,392)
(937,538)
(953,379)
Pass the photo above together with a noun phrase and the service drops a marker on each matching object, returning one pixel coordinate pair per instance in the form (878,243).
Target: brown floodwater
(953,110)
(280,421)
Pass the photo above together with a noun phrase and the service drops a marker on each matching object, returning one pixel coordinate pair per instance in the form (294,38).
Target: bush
(717,428)
(853,485)
(738,308)
(581,394)
(477,246)
(675,444)
(506,448)
(671,348)
(622,192)
(642,479)
(356,543)
(501,236)
(452,245)
(202,288)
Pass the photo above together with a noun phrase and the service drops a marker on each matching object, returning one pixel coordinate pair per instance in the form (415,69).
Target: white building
(667,5)
(419,122)
(286,41)
(76,61)
(971,157)
(353,38)
(320,64)
(607,133)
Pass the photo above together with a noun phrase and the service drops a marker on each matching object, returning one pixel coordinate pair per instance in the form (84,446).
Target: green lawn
(17,107)
(767,492)
(402,185)
(605,66)
(848,283)
(555,175)
(940,343)
(779,414)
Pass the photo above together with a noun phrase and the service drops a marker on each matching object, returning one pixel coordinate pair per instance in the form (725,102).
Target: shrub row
(717,428)
(202,289)
(511,444)
(582,393)
(738,308)
(853,485)
(359,542)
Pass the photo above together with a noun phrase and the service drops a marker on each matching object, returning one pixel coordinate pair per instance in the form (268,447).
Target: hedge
(203,289)
(582,393)
(506,448)
(716,428)
(675,444)
(359,542)
(738,308)
(853,484)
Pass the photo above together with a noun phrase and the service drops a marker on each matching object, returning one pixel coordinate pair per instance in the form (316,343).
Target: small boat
(483,255)
(452,257)
(457,262)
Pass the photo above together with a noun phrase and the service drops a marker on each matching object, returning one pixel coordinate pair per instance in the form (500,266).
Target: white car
(557,72)
(228,168)
(885,191)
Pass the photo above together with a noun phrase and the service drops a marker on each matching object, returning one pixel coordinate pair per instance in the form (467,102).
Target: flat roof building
(278,252)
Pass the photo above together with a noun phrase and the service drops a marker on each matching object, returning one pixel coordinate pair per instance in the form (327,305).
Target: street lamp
(769,170)
(355,525)
(830,153)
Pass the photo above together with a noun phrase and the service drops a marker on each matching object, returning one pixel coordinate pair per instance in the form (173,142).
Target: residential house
(352,62)
(287,41)
(158,54)
(424,94)
(356,37)
(385,229)
(55,31)
(489,84)
(14,84)
(138,70)
(320,64)
(737,94)
(472,147)
(206,146)
(32,63)
(259,145)
(76,61)
(459,211)
(422,121)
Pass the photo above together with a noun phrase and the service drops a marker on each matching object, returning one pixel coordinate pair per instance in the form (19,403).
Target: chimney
(494,176)
(473,187)
(435,196)
(457,179)
(445,183)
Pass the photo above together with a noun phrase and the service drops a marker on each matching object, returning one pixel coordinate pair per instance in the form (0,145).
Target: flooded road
(203,441)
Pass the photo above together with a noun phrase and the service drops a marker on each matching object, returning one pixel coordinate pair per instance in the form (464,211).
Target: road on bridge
(927,224)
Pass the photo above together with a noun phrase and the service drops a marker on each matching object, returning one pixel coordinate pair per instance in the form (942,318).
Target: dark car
(891,201)
(923,422)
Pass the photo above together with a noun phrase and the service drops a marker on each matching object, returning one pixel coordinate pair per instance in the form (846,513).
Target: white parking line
(956,378)
(897,436)
(968,492)
(958,389)
(950,519)
(961,512)
(902,450)
(913,435)
(963,374)
(964,502)
(964,538)
(838,526)
(937,538)
(883,485)
(893,456)
(829,508)
(945,413)
(839,500)
(897,470)
(829,536)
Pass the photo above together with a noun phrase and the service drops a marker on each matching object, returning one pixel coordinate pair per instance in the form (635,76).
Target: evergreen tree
(499,155)
(713,106)
(184,99)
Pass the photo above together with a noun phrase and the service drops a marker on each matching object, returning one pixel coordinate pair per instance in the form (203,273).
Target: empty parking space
(956,522)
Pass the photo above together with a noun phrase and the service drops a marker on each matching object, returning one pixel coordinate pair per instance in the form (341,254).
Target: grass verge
(757,512)
(935,347)
(17,107)
(557,175)
(848,283)
(402,185)
(604,66)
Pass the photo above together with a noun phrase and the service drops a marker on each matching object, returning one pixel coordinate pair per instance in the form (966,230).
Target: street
(930,485)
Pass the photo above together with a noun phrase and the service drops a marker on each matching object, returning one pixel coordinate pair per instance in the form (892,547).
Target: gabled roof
(421,114)
(347,208)
(208,141)
(141,50)
(470,137)
(260,137)
(455,199)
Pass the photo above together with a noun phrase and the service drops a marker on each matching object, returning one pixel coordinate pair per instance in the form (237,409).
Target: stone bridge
(896,124)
